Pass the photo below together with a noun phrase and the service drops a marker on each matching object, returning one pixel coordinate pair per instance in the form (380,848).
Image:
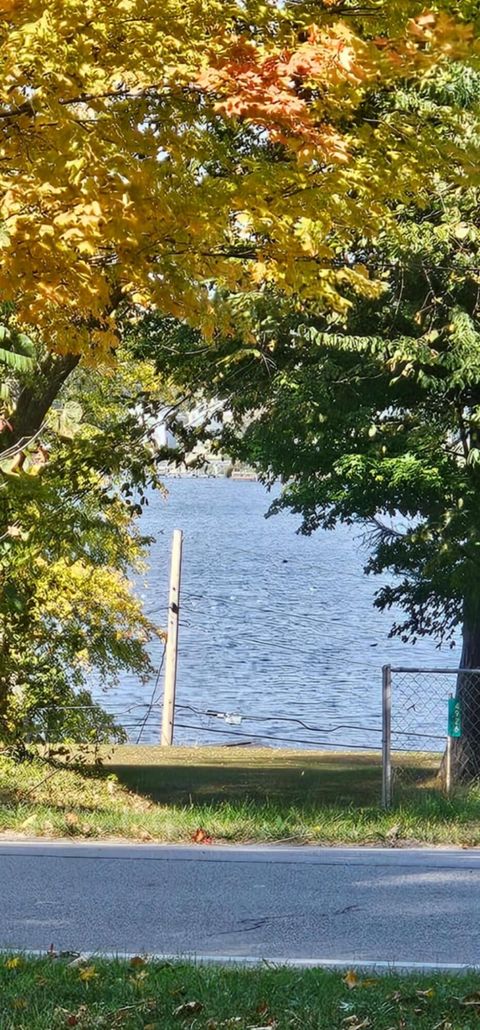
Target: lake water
(274,625)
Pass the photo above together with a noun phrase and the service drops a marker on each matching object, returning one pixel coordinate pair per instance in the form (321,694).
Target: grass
(233,795)
(47,994)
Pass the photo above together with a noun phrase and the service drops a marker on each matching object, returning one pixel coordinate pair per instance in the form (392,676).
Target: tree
(375,419)
(145,169)
(122,182)
(150,170)
(69,540)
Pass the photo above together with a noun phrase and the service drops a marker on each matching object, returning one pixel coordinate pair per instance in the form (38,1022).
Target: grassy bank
(231,795)
(51,993)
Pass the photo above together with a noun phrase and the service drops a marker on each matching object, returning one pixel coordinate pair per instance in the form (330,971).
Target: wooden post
(171,651)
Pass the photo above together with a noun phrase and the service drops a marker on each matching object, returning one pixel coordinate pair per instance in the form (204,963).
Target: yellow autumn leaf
(87,973)
(15,962)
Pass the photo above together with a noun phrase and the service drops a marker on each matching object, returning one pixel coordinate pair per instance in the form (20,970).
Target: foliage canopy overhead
(156,154)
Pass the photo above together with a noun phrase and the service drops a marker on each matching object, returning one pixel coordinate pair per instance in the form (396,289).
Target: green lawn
(232,795)
(50,993)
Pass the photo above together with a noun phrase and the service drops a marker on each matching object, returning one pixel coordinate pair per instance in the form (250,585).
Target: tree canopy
(158,154)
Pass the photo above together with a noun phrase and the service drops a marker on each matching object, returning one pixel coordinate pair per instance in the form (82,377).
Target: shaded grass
(180,774)
(49,994)
(291,797)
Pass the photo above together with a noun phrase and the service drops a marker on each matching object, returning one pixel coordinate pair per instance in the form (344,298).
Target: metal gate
(420,725)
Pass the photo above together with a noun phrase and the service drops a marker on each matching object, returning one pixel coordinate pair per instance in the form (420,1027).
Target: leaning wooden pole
(171,652)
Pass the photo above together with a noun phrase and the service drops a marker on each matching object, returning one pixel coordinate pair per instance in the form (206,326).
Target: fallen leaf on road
(201,837)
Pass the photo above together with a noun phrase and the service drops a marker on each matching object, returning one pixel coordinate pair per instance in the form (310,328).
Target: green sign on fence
(454,718)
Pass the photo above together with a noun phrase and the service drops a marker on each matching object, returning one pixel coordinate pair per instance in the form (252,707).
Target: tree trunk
(466,750)
(32,406)
(35,401)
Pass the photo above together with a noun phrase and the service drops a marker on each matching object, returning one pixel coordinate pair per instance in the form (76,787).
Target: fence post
(386,736)
(171,650)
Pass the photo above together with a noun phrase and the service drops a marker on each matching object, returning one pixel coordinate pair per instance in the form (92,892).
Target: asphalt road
(322,904)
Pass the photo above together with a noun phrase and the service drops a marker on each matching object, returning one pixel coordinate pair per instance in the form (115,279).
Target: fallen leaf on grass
(14,963)
(471,1000)
(430,993)
(352,981)
(268,1026)
(73,1018)
(355,1023)
(393,832)
(72,820)
(28,822)
(201,837)
(137,961)
(120,1016)
(138,979)
(87,973)
(189,1008)
(213,1024)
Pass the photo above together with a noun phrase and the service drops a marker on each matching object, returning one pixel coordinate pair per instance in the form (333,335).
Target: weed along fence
(431,724)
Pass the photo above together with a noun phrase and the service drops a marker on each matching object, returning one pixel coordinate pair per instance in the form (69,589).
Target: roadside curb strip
(253,961)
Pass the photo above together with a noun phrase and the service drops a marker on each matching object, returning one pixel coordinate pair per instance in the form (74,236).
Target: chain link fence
(431,729)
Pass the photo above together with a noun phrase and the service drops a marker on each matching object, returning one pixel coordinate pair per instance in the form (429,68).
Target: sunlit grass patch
(51,993)
(291,798)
